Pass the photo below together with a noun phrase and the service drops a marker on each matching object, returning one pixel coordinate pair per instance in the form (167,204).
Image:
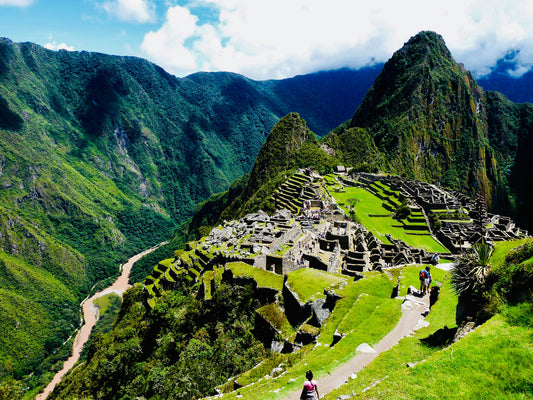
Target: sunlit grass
(262,277)
(373,216)
(324,359)
(310,283)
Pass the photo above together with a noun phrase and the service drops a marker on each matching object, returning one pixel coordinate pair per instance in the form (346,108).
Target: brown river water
(90,316)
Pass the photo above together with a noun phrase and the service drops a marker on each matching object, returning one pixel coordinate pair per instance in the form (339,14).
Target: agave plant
(471,269)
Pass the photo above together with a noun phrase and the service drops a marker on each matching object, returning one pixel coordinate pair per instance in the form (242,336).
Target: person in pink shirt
(310,390)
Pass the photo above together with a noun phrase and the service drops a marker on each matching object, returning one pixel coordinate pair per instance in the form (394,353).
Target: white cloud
(282,38)
(140,11)
(60,46)
(16,3)
(167,45)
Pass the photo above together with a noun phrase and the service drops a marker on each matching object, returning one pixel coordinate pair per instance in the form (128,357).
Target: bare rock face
(319,312)
(464,330)
(306,334)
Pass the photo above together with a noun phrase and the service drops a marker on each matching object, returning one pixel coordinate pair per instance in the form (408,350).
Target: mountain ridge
(100,157)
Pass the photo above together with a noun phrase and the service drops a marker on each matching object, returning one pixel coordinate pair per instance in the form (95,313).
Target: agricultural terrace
(372,215)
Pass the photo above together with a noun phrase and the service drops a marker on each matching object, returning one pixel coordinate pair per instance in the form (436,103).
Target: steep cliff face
(428,118)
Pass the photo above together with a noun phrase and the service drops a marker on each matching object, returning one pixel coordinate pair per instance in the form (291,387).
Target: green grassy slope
(373,216)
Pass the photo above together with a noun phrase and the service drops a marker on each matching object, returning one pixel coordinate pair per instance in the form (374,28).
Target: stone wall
(334,265)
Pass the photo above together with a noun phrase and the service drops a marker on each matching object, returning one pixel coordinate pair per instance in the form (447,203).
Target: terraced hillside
(317,287)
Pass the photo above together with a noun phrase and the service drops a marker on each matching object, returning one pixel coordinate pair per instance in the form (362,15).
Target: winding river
(90,316)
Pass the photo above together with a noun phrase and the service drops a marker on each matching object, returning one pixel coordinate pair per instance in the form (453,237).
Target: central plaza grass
(371,214)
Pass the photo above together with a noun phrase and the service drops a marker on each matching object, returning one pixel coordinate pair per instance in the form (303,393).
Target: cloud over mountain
(139,11)
(278,39)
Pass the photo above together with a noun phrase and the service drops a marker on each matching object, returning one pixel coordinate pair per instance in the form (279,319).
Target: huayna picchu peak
(428,116)
(350,195)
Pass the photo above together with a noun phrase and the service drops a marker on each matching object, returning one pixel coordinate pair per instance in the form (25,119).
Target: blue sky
(276,38)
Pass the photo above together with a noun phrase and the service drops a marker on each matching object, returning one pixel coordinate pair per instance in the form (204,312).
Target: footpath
(414,310)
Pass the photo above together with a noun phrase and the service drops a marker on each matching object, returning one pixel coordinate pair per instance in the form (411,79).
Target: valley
(292,242)
(90,317)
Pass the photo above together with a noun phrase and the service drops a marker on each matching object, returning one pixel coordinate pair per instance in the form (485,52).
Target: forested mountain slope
(425,117)
(431,121)
(101,156)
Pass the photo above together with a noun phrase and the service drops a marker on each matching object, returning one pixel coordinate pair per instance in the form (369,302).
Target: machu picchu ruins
(311,229)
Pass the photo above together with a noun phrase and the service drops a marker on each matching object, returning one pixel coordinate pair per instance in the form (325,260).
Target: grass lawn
(262,277)
(310,283)
(369,204)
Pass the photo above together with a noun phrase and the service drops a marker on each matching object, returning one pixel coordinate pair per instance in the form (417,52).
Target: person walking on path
(310,389)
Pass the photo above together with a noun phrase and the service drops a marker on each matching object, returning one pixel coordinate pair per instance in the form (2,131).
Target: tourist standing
(429,279)
(425,280)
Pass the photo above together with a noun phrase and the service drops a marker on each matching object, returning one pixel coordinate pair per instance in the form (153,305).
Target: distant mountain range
(424,117)
(101,156)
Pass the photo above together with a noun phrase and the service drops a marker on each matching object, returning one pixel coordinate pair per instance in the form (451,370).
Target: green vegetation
(108,310)
(324,358)
(103,156)
(289,146)
(262,277)
(310,283)
(181,349)
(371,213)
(487,285)
(494,359)
(496,355)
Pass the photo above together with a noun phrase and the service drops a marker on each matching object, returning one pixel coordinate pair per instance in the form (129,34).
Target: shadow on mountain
(8,119)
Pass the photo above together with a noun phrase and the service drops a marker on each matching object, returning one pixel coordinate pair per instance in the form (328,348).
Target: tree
(403,210)
(469,282)
(11,390)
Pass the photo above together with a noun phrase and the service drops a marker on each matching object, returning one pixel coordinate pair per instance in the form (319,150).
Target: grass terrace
(275,315)
(502,248)
(376,321)
(310,283)
(371,213)
(391,365)
(262,277)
